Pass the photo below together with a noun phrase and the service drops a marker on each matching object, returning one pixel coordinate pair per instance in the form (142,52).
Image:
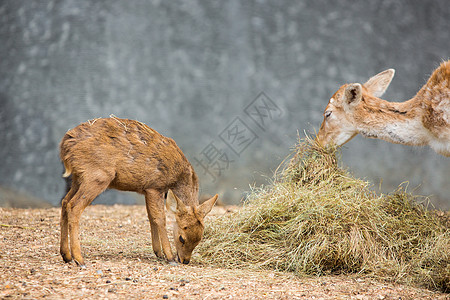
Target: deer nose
(185,261)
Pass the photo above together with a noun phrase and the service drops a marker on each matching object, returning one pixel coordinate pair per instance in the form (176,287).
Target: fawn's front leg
(156,241)
(157,217)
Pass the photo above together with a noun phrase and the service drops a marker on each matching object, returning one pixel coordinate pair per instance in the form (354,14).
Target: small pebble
(108,281)
(99,272)
(127,278)
(165,297)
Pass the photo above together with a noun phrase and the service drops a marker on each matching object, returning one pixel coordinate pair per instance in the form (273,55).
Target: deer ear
(206,206)
(352,95)
(170,203)
(378,84)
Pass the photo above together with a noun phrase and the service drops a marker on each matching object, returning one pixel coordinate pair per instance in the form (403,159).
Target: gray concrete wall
(195,70)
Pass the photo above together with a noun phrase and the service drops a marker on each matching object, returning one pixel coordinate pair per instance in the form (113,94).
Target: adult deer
(130,156)
(423,120)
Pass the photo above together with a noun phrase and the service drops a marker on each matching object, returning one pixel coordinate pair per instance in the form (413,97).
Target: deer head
(343,111)
(189,227)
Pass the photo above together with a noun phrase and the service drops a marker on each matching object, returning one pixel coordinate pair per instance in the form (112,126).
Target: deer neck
(187,187)
(395,122)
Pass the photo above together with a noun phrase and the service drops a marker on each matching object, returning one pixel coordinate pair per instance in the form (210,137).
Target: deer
(127,155)
(422,120)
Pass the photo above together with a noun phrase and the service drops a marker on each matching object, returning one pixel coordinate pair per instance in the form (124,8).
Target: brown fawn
(128,155)
(423,120)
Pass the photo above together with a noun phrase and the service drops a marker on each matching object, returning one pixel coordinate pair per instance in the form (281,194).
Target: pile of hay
(315,218)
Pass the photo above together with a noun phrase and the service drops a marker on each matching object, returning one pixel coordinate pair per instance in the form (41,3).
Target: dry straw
(316,219)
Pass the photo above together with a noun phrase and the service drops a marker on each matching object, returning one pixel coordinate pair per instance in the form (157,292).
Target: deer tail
(68,170)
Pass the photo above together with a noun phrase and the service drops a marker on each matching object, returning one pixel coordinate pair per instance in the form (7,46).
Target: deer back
(139,156)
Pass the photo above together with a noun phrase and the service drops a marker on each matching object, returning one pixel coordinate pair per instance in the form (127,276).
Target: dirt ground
(121,265)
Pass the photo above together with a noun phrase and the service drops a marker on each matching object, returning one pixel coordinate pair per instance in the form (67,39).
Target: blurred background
(233,82)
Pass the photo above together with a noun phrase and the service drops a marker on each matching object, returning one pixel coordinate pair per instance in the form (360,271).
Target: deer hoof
(81,265)
(66,256)
(67,259)
(159,254)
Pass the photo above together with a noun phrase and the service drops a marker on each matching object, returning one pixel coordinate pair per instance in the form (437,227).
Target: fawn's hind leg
(64,241)
(86,193)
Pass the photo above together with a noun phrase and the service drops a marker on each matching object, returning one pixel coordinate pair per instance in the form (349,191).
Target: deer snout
(321,140)
(184,261)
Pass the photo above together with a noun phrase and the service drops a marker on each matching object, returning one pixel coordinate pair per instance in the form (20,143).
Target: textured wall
(194,71)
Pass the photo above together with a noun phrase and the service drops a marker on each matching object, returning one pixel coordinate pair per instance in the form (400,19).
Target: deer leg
(156,242)
(86,193)
(64,224)
(157,217)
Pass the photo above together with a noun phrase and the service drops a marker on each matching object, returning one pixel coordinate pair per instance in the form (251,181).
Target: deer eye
(185,227)
(181,239)
(328,113)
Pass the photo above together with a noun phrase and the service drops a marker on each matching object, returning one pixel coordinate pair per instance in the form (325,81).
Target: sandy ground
(121,265)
